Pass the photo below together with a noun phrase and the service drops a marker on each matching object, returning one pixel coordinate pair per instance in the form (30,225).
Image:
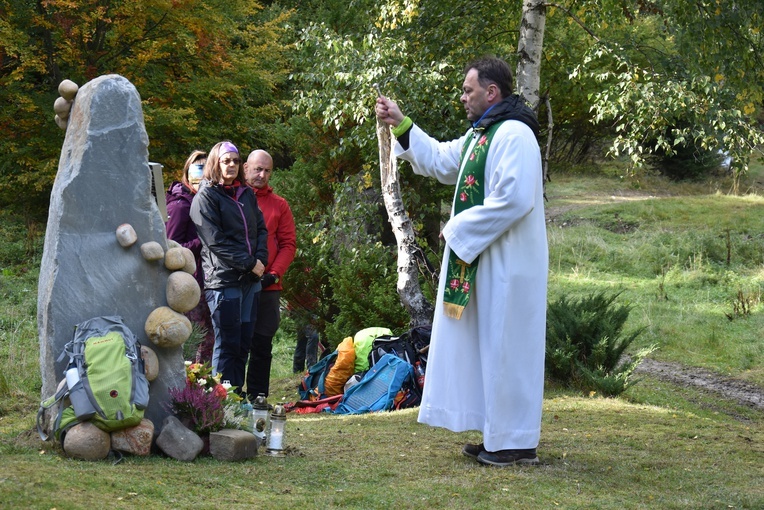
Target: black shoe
(504,458)
(473,450)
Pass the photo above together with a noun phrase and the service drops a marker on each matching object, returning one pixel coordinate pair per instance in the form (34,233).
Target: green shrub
(687,162)
(365,293)
(585,344)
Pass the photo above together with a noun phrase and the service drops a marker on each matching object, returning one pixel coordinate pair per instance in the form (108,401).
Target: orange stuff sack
(343,368)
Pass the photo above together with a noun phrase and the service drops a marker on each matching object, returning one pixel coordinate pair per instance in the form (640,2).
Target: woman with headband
(234,252)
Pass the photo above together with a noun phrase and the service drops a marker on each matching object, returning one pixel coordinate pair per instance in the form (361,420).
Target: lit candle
(276,439)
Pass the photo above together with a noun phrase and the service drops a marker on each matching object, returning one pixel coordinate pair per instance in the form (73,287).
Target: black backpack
(411,346)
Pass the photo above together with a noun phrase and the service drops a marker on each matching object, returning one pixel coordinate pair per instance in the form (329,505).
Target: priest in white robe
(485,368)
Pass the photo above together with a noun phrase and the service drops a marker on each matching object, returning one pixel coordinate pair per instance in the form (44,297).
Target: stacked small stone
(63,105)
(166,326)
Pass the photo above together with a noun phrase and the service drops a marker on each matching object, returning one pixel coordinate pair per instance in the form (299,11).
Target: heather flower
(204,403)
(203,412)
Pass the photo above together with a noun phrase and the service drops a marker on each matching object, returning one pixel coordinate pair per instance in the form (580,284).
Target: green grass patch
(595,453)
(686,259)
(690,266)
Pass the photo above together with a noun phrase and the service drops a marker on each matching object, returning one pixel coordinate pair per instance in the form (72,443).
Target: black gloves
(268,279)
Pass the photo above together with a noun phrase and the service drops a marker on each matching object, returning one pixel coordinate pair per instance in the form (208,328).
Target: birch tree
(529,49)
(409,253)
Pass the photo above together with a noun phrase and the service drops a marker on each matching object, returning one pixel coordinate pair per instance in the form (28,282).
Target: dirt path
(731,389)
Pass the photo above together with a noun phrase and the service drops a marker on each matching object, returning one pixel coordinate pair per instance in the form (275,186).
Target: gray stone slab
(230,445)
(103,181)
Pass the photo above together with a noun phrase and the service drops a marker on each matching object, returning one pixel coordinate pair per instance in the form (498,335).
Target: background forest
(660,86)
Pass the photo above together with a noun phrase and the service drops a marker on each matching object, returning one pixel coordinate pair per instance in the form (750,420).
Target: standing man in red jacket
(281,250)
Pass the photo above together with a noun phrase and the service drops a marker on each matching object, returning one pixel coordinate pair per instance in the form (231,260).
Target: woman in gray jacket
(234,252)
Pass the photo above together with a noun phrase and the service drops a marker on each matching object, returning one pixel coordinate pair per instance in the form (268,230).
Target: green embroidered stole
(460,282)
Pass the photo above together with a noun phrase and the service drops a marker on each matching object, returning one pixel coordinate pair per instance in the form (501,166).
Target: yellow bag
(343,368)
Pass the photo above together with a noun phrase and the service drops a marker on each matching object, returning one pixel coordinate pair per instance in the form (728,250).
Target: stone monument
(103,182)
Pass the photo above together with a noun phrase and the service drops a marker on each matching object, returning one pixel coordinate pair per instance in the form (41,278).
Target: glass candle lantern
(260,418)
(275,438)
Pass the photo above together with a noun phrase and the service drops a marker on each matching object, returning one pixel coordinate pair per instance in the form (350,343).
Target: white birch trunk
(529,51)
(420,310)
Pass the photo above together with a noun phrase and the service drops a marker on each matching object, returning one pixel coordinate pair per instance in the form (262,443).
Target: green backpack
(105,379)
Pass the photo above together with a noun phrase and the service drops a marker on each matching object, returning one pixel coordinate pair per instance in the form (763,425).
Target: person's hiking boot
(504,458)
(473,450)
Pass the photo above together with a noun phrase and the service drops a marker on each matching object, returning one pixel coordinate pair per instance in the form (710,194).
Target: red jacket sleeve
(285,239)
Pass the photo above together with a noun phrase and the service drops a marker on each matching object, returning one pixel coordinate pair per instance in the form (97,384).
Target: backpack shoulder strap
(47,404)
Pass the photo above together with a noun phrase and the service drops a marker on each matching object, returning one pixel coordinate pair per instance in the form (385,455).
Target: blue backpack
(312,384)
(378,388)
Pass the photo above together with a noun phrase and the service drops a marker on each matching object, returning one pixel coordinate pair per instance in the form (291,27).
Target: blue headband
(227,147)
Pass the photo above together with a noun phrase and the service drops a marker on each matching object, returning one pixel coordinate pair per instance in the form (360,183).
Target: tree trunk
(529,50)
(419,308)
(528,74)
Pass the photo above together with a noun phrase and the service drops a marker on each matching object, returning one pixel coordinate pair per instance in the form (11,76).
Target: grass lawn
(689,261)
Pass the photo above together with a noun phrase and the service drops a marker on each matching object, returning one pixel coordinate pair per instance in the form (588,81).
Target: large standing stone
(103,181)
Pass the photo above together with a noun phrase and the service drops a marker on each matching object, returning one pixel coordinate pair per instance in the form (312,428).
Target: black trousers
(260,353)
(306,351)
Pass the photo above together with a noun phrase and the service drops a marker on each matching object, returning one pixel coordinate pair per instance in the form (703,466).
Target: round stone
(87,442)
(68,89)
(150,363)
(174,259)
(61,106)
(190,266)
(61,123)
(152,250)
(167,328)
(126,235)
(183,292)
